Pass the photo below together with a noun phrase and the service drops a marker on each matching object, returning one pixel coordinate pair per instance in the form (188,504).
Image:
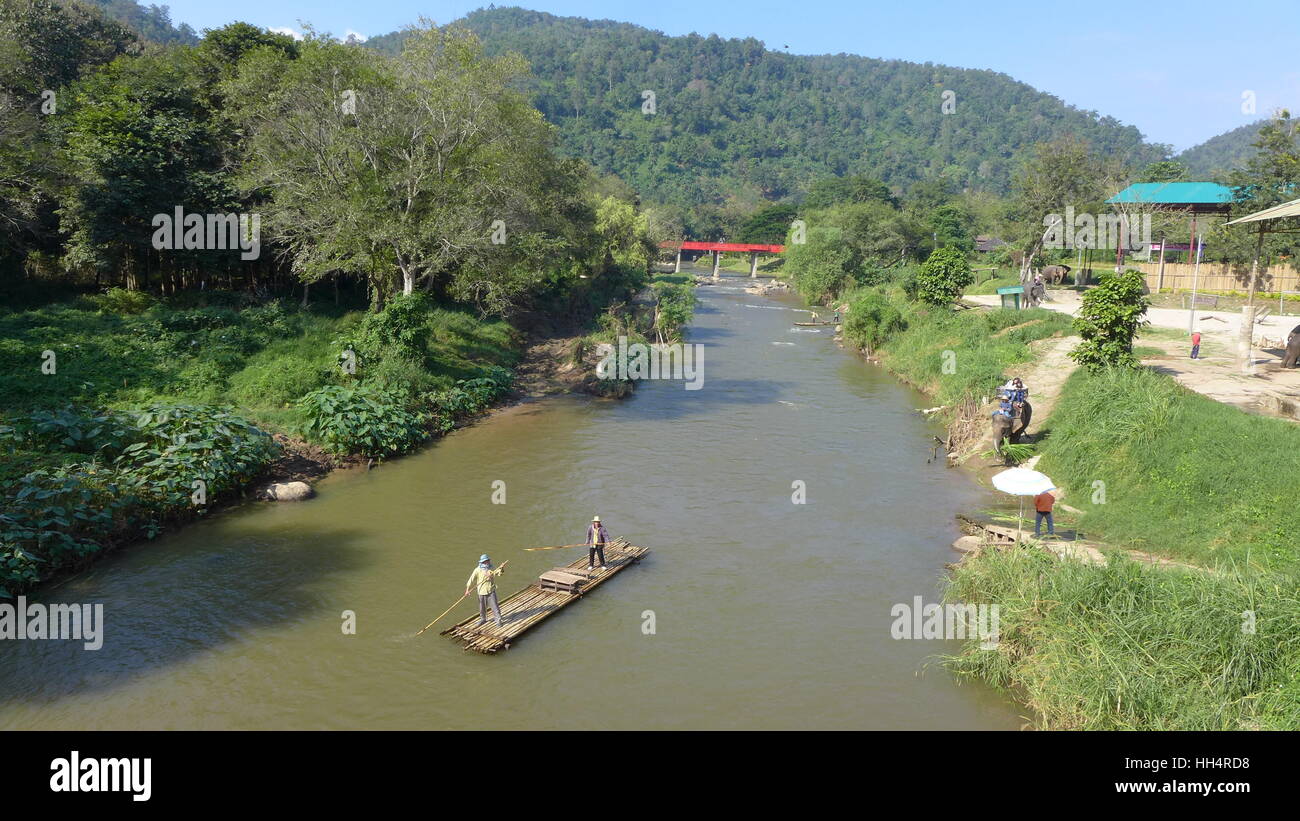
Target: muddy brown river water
(767,614)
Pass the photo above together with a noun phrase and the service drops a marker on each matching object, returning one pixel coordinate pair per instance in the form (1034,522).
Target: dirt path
(1270,390)
(1044,378)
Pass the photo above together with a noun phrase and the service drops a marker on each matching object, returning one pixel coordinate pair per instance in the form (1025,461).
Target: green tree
(1163,171)
(1061,173)
(821,265)
(943,277)
(872,319)
(1109,319)
(431,162)
(767,225)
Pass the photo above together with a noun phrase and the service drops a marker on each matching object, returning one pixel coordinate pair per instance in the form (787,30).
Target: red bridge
(720,248)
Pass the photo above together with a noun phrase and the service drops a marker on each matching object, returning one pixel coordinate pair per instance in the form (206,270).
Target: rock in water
(967,544)
(289,492)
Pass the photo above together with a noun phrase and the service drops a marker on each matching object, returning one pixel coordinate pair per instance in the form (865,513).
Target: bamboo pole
(445,612)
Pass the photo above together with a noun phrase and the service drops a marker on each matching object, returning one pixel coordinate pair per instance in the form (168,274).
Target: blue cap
(484,558)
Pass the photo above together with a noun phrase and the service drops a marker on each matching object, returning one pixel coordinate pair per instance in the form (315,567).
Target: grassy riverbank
(1130,647)
(1152,466)
(1159,468)
(123,414)
(953,355)
(1181,475)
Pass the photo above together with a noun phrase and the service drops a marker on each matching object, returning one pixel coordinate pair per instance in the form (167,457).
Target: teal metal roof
(1175,193)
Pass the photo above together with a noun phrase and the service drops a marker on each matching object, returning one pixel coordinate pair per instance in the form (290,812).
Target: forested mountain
(733,119)
(152,23)
(1225,152)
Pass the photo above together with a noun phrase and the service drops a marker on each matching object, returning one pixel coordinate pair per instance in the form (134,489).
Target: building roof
(1286,209)
(986,243)
(1175,193)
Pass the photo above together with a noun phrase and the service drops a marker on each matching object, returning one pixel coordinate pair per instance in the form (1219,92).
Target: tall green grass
(1132,647)
(1161,468)
(982,347)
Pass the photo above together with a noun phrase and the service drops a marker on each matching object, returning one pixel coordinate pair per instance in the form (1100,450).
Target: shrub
(363,419)
(1109,319)
(55,516)
(401,329)
(872,319)
(943,277)
(123,302)
(186,443)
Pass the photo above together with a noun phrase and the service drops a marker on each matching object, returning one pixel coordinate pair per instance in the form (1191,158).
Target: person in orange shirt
(1043,505)
(1196,345)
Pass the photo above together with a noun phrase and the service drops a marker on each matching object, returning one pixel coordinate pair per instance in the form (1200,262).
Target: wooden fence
(1218,276)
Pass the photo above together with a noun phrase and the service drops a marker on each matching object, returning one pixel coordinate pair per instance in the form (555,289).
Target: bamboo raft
(527,608)
(805,324)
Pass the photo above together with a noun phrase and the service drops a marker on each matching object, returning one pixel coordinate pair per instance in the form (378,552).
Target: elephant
(1055,274)
(1292,357)
(1012,428)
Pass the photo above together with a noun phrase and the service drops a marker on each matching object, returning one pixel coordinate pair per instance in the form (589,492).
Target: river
(767,613)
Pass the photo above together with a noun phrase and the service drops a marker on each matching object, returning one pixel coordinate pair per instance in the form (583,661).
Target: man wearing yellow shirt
(484,580)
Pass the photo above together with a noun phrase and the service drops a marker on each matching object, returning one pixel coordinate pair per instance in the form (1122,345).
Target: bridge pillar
(753,263)
(717,261)
(678,268)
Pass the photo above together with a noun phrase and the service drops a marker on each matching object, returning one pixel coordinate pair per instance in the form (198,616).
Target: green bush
(185,443)
(123,302)
(872,319)
(943,277)
(143,471)
(363,419)
(1109,319)
(400,330)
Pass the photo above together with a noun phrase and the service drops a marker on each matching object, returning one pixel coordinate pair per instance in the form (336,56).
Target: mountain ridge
(733,119)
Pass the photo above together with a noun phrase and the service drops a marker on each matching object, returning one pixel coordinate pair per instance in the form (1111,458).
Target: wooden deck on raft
(529,607)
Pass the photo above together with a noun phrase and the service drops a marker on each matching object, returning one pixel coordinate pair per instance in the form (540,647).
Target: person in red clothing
(1196,345)
(1043,505)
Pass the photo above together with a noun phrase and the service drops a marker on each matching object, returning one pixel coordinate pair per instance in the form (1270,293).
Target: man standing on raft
(484,578)
(597,536)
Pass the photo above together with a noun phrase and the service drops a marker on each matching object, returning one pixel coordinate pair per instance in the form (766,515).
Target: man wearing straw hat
(596,538)
(484,578)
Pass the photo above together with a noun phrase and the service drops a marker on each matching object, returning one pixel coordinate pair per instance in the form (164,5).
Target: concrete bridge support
(753,263)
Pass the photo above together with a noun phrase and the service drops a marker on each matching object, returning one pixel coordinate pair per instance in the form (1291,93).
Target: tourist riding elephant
(1292,357)
(1055,274)
(1011,428)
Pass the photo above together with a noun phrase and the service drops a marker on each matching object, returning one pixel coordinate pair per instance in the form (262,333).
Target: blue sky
(1176,70)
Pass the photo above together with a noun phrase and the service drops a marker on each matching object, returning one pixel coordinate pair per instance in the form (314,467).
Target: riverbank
(1199,640)
(219,403)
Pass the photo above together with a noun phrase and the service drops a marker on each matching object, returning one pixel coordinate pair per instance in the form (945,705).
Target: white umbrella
(1022,482)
